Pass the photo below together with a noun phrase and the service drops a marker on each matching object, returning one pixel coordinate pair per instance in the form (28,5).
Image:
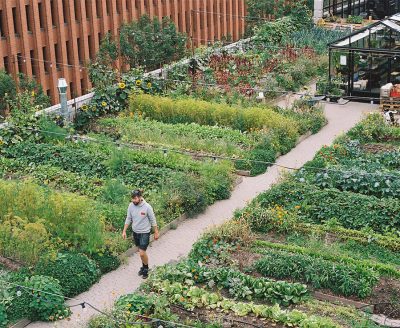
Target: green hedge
(344,279)
(353,211)
(75,272)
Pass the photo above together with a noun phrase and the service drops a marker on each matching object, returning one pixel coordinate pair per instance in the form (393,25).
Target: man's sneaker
(140,273)
(145,273)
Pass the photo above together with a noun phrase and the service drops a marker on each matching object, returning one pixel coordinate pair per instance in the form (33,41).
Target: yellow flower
(85,108)
(33,94)
(138,83)
(149,85)
(121,85)
(104,104)
(1,142)
(131,114)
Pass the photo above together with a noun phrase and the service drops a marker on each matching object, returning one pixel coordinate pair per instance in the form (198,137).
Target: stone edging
(382,320)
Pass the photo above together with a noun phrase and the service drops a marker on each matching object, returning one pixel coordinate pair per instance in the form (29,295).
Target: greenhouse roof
(392,22)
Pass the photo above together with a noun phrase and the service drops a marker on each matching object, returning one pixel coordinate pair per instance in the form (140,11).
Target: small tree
(151,43)
(7,89)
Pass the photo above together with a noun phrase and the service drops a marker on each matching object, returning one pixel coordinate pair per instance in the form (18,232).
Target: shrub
(106,261)
(3,316)
(44,306)
(74,219)
(19,304)
(22,240)
(340,278)
(75,272)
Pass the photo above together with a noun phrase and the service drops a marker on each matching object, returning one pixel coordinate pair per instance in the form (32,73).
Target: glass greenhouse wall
(362,62)
(377,9)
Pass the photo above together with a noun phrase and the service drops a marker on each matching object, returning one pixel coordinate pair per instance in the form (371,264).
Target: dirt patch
(386,296)
(226,320)
(10,264)
(245,258)
(378,148)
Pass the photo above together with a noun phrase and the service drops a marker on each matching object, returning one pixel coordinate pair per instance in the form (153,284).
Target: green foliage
(3,316)
(23,240)
(149,42)
(17,305)
(73,219)
(374,129)
(106,261)
(204,113)
(353,211)
(264,247)
(192,297)
(354,19)
(76,273)
(238,285)
(45,303)
(345,279)
(7,89)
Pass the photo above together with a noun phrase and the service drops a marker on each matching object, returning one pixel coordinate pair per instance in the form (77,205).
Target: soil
(245,259)
(10,264)
(226,320)
(386,296)
(378,148)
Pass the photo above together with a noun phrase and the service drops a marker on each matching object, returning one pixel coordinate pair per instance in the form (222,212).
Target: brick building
(49,39)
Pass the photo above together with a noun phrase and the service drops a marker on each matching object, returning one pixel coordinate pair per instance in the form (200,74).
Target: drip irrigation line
(83,304)
(214,157)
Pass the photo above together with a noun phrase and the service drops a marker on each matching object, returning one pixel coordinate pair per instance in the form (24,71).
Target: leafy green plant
(76,273)
(47,302)
(354,211)
(381,268)
(345,279)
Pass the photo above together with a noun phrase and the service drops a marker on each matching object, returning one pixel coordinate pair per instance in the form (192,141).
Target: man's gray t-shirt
(141,217)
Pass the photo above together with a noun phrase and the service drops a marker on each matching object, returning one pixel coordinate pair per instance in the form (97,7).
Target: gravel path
(177,243)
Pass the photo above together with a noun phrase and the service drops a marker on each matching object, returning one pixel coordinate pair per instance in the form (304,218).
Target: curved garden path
(177,243)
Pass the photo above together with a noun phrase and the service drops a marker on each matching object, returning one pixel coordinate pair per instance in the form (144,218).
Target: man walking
(141,216)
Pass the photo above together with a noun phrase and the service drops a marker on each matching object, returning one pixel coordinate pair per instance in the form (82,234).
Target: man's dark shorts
(141,240)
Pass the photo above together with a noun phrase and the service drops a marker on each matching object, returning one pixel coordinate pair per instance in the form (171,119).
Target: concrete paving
(177,243)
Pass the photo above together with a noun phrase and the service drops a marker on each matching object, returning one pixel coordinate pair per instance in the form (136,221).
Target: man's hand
(124,234)
(156,234)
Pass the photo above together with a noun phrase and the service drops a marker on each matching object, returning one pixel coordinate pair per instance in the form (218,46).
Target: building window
(33,63)
(69,53)
(77,10)
(46,60)
(41,15)
(28,18)
(98,8)
(58,56)
(80,50)
(53,12)
(118,7)
(108,9)
(88,8)
(20,63)
(99,36)
(71,88)
(17,23)
(91,47)
(65,11)
(2,25)
(6,64)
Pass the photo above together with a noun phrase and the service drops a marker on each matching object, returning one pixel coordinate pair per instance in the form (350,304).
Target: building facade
(49,39)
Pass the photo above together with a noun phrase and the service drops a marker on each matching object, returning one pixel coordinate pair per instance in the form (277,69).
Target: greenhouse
(377,9)
(364,61)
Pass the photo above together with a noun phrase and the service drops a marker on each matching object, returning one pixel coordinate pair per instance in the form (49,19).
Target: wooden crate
(389,103)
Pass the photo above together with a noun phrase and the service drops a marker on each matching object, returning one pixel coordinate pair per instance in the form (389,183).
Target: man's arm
(153,222)
(128,221)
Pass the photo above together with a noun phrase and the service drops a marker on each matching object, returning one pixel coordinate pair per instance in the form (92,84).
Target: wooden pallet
(389,103)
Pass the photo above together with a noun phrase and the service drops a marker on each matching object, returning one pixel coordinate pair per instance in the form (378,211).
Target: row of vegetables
(291,241)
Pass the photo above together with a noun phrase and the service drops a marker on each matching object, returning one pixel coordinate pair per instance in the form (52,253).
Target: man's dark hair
(136,193)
